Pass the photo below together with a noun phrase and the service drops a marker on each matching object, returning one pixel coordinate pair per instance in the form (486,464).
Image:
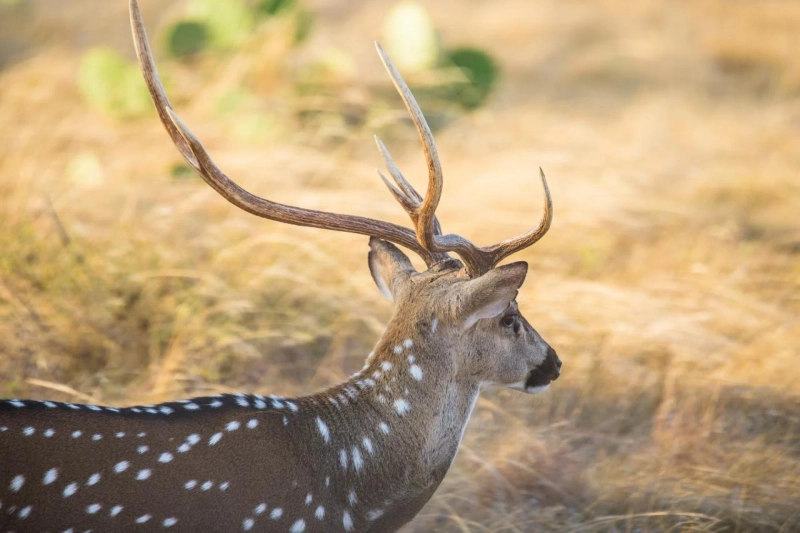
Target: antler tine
(478,261)
(510,246)
(401,181)
(407,195)
(426,212)
(198,158)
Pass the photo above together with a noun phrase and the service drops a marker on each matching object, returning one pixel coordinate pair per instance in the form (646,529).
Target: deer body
(341,460)
(365,455)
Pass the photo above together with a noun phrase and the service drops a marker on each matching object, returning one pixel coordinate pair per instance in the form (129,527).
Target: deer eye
(508,321)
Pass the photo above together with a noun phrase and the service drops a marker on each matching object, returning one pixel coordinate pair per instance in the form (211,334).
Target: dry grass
(669,284)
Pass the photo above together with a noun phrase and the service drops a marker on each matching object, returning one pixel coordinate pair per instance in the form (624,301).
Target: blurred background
(669,283)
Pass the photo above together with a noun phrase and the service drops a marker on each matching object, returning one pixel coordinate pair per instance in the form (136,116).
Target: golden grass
(669,284)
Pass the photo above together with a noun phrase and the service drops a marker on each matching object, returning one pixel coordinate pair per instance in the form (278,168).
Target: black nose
(554,362)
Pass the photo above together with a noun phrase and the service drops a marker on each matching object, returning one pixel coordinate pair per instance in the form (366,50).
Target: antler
(477,260)
(198,158)
(426,239)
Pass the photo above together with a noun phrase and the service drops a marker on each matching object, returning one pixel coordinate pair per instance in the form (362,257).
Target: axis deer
(364,455)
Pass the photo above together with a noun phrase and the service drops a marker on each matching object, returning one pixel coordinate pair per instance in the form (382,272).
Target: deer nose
(553,359)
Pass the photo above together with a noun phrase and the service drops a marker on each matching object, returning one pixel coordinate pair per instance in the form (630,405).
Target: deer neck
(415,413)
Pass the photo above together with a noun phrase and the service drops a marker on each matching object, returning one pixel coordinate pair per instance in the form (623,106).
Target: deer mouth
(539,380)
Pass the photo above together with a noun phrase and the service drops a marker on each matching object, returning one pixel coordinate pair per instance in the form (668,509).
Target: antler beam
(426,239)
(198,158)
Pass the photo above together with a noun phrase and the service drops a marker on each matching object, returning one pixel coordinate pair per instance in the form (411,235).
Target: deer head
(470,325)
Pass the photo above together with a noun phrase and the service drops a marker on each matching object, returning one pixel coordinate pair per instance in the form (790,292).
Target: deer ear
(490,294)
(390,267)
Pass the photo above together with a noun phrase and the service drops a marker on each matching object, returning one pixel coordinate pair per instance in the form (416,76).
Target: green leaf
(111,84)
(481,72)
(186,38)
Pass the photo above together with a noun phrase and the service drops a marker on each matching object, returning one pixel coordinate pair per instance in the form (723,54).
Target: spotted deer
(364,455)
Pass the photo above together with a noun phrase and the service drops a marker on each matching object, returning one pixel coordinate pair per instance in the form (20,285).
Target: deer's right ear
(490,294)
(389,267)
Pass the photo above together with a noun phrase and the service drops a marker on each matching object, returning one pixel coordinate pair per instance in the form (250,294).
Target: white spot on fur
(142,449)
(434,325)
(169,522)
(343,458)
(232,426)
(121,466)
(252,423)
(165,457)
(143,474)
(50,476)
(367,443)
(416,372)
(214,439)
(358,461)
(144,518)
(28,431)
(298,527)
(94,479)
(276,513)
(386,366)
(76,434)
(352,499)
(24,512)
(115,510)
(17,483)
(323,430)
(70,489)
(207,485)
(260,508)
(189,485)
(347,521)
(247,524)
(193,439)
(398,349)
(375,514)
(93,508)
(320,513)
(191,406)
(384,428)
(408,343)
(402,406)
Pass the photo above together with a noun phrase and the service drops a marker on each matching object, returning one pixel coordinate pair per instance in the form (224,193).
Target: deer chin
(538,380)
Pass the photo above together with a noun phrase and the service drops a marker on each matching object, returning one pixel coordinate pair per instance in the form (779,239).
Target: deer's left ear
(490,294)
(390,268)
